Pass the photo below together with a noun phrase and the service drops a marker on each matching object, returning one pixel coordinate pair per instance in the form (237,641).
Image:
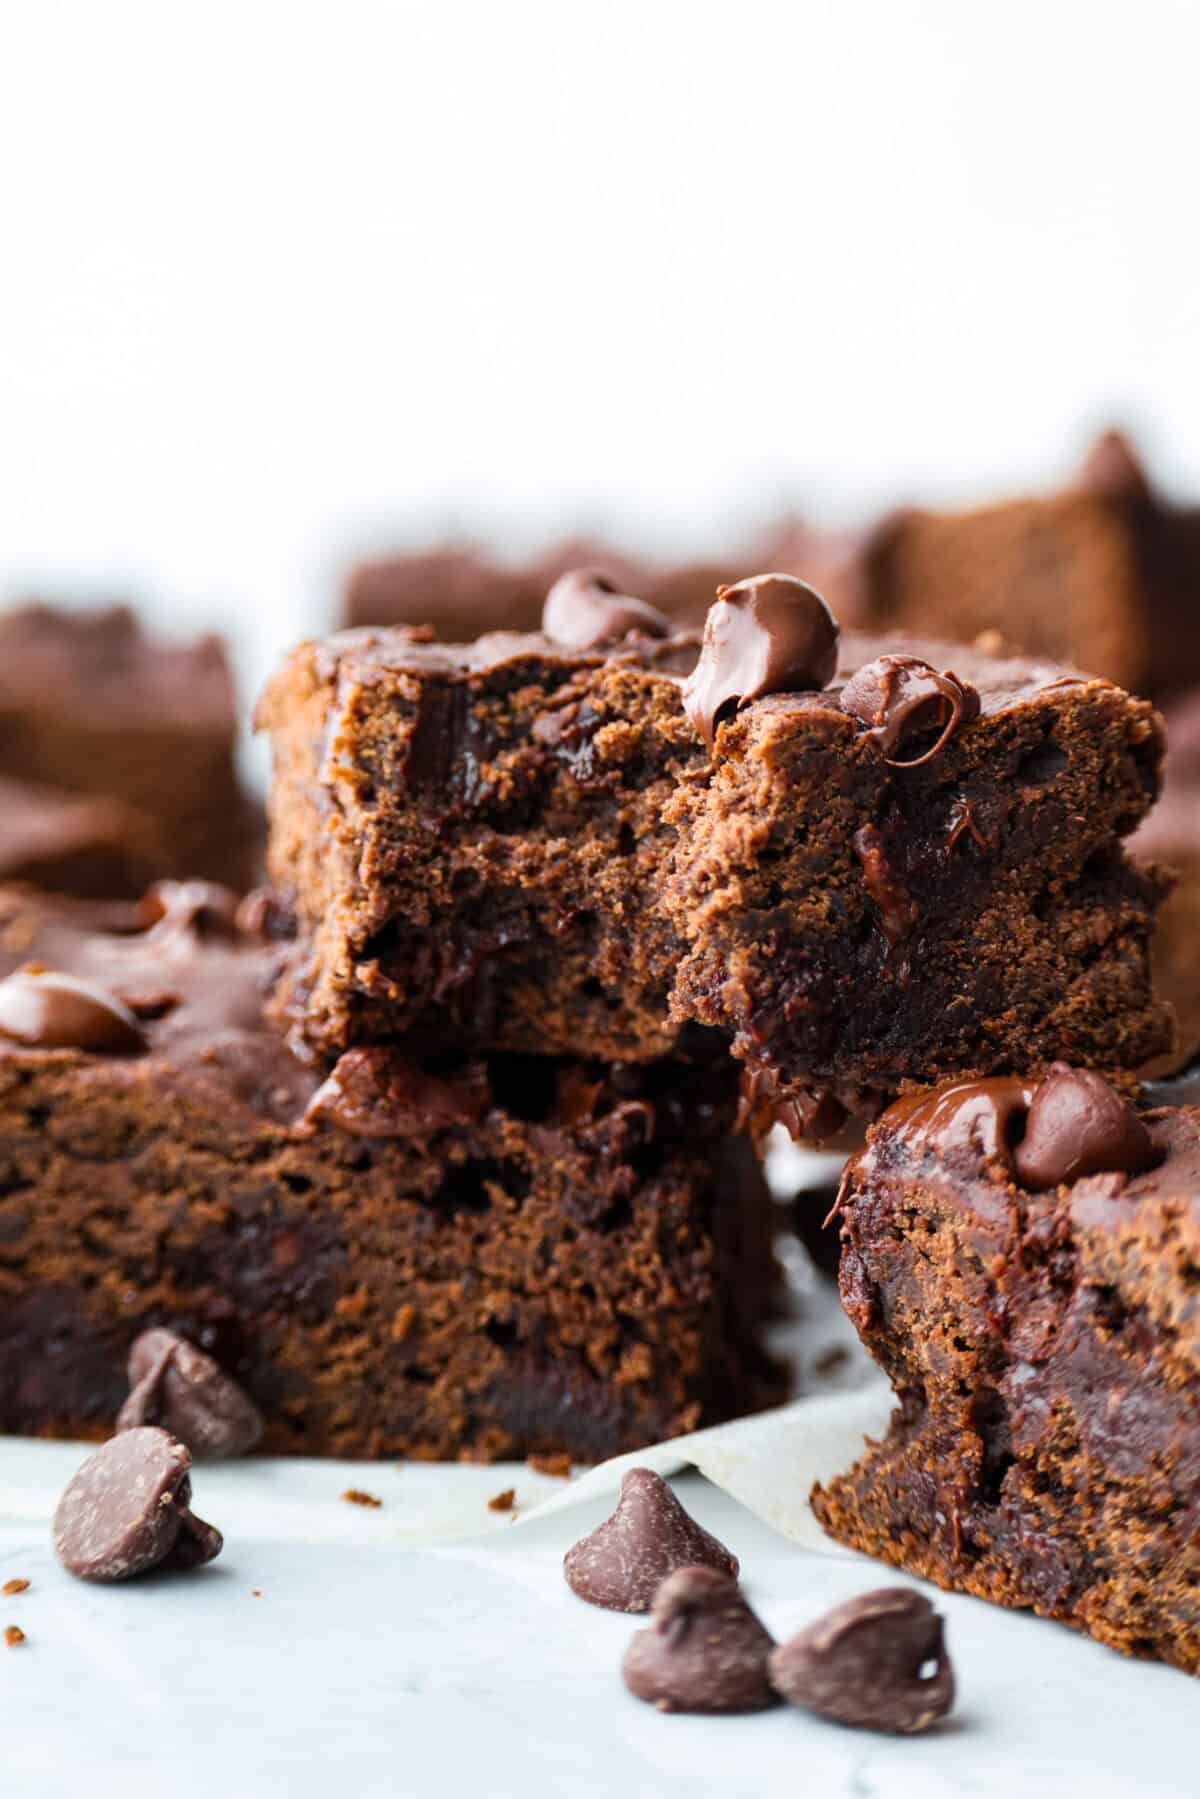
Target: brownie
(1171,835)
(1021,1258)
(85,844)
(501,1257)
(463,592)
(1104,573)
(92,706)
(911,867)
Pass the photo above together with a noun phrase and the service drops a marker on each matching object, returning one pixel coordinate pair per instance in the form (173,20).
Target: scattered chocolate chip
(862,1663)
(503,1502)
(356,1496)
(177,1386)
(625,1560)
(14,1636)
(128,1510)
(705,1651)
(1079,1125)
(585,610)
(557,1464)
(56,1011)
(901,698)
(768,634)
(12,1587)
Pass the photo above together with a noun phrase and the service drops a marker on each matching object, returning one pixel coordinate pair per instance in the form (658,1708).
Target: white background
(282,281)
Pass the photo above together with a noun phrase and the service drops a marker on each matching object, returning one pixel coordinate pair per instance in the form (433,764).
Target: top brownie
(91,705)
(859,862)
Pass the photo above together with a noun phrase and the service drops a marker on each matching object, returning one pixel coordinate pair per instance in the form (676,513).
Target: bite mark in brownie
(514,845)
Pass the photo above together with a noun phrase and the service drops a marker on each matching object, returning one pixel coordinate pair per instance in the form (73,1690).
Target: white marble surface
(381,1661)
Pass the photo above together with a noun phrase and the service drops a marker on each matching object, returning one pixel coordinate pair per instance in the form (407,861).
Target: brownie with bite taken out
(855,861)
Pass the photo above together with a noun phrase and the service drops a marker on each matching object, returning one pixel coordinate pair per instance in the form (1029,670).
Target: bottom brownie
(1029,1285)
(497,1259)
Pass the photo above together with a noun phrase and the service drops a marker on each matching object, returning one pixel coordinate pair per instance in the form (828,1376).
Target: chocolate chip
(56,1011)
(705,1651)
(379,1093)
(768,634)
(177,1386)
(128,1510)
(625,1560)
(585,610)
(977,1119)
(863,1662)
(1079,1125)
(899,698)
(196,908)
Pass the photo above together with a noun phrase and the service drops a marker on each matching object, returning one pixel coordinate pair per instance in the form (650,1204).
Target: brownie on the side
(1171,835)
(1104,573)
(476,1259)
(92,706)
(1022,1258)
(902,863)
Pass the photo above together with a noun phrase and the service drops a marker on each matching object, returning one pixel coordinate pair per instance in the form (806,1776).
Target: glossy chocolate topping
(585,610)
(375,1093)
(901,698)
(1079,1125)
(1070,1124)
(768,634)
(46,1010)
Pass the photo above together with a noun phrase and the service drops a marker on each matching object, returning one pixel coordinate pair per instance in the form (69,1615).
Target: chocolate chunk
(1079,1125)
(625,1560)
(585,610)
(897,909)
(377,1093)
(128,1510)
(56,1011)
(198,908)
(705,1651)
(862,1663)
(768,634)
(900,698)
(177,1386)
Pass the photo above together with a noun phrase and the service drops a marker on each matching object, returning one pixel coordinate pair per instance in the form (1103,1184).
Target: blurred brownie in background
(463,592)
(1104,574)
(85,844)
(94,710)
(1171,835)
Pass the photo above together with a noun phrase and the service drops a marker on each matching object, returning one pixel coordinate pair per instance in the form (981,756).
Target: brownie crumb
(558,1465)
(12,1587)
(356,1496)
(14,1636)
(502,1502)
(831,1359)
(256,1592)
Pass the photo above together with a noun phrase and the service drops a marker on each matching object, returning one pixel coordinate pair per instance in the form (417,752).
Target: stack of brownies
(445,1145)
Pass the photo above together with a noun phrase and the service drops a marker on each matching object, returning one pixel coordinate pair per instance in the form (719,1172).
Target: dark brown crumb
(502,1502)
(356,1496)
(831,1358)
(558,1465)
(12,1587)
(14,1636)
